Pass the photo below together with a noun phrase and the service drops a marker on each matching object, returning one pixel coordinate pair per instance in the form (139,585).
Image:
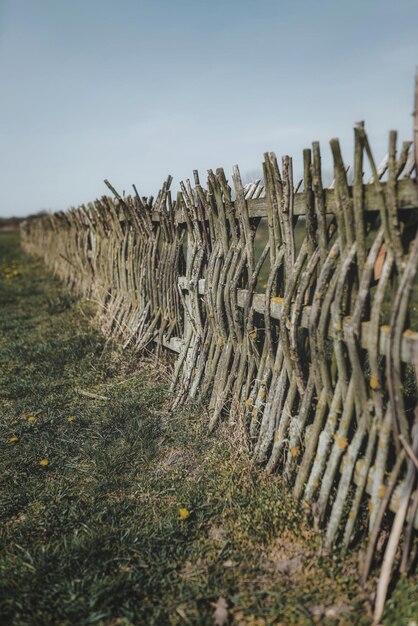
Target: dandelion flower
(43,462)
(31,418)
(184,514)
(13,439)
(70,418)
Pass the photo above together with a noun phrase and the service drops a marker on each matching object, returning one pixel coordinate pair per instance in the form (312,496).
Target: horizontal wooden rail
(409,349)
(407,198)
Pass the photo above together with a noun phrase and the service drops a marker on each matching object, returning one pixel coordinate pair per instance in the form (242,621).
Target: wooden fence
(318,359)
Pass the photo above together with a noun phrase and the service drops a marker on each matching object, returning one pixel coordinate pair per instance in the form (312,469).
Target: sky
(134,90)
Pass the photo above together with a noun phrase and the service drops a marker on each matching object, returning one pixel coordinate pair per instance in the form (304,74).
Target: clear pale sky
(133,90)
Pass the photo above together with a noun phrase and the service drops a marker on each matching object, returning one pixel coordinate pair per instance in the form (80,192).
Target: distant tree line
(12,223)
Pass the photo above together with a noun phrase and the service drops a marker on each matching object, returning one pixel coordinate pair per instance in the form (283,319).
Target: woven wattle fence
(319,363)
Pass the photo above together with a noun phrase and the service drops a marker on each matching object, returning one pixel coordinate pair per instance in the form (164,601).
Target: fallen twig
(89,394)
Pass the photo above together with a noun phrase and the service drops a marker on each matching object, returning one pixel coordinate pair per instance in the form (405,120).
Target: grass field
(116,512)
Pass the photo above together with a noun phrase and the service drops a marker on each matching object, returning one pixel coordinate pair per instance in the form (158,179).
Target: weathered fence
(319,363)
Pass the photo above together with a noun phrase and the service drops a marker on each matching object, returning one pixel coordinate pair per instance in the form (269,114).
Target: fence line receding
(288,306)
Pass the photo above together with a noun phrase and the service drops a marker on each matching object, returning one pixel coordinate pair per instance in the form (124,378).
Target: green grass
(95,537)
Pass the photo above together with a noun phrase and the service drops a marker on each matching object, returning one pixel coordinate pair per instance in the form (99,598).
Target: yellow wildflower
(184,514)
(13,439)
(70,418)
(31,418)
(43,462)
